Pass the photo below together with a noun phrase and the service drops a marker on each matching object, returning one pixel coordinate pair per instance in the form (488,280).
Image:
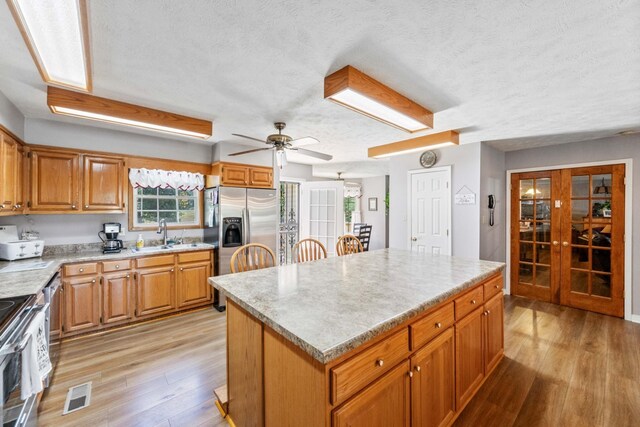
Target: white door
(322,212)
(430,207)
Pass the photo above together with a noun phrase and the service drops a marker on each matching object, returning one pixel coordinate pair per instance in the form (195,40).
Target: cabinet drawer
(428,327)
(355,373)
(194,256)
(468,302)
(492,287)
(80,269)
(155,261)
(109,266)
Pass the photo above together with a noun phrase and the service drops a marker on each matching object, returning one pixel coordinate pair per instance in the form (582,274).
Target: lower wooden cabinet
(117,297)
(433,384)
(469,358)
(155,291)
(96,295)
(193,287)
(385,403)
(493,332)
(82,303)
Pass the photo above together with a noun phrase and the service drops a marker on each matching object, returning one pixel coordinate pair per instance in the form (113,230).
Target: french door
(567,237)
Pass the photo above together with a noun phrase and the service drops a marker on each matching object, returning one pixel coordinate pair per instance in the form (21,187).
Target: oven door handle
(19,347)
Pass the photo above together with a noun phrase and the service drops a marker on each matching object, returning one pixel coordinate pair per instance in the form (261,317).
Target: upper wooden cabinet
(54,180)
(59,185)
(241,175)
(11,169)
(102,183)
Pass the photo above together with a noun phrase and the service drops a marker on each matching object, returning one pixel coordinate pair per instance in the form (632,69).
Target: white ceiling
(512,72)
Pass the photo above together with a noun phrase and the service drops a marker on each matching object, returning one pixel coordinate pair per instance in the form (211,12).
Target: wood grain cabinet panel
(82,304)
(103,183)
(117,298)
(193,287)
(235,175)
(431,325)
(469,302)
(385,403)
(433,395)
(8,160)
(19,204)
(156,292)
(493,332)
(260,177)
(469,357)
(54,180)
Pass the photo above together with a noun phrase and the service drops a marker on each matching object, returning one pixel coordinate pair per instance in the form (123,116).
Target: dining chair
(309,250)
(364,235)
(348,244)
(252,256)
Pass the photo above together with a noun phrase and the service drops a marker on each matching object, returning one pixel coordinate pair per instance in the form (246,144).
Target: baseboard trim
(635,318)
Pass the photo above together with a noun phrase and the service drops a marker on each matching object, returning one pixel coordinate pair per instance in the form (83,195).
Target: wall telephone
(492,204)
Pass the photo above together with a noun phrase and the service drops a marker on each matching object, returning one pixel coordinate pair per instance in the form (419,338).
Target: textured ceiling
(513,72)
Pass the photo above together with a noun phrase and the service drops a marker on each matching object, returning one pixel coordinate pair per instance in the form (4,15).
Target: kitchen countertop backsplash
(97,246)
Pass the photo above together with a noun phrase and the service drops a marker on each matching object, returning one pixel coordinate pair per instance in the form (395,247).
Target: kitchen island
(386,337)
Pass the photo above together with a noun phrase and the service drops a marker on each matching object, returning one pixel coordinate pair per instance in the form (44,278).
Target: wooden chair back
(309,250)
(253,256)
(364,235)
(348,244)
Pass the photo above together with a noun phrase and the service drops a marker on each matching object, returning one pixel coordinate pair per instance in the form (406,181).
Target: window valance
(157,178)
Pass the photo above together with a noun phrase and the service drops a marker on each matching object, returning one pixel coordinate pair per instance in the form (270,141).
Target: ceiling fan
(280,142)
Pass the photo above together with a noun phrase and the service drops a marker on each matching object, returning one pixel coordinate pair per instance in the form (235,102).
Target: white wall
(614,148)
(59,134)
(492,181)
(77,229)
(374,187)
(465,170)
(221,152)
(11,117)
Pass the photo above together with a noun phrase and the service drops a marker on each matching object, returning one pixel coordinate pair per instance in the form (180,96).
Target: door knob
(414,239)
(556,243)
(565,244)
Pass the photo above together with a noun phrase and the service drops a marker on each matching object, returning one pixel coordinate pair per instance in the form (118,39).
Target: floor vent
(78,397)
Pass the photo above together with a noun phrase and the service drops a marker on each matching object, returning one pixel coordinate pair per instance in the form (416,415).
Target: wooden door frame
(410,174)
(628,225)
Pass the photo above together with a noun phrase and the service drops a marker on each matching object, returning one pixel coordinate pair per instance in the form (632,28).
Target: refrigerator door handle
(249,239)
(244,227)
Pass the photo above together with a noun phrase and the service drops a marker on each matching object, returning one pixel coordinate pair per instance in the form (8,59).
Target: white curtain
(352,189)
(154,178)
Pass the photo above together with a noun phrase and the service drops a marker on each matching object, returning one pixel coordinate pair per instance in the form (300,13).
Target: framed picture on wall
(373,203)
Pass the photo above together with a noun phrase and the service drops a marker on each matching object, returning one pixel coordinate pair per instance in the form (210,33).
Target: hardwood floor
(562,367)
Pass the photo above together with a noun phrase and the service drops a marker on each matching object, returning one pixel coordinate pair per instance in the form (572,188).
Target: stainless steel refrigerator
(234,217)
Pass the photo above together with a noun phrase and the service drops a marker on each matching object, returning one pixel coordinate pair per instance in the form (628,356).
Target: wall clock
(428,159)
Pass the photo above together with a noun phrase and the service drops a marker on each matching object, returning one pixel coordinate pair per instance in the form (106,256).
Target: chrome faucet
(162,228)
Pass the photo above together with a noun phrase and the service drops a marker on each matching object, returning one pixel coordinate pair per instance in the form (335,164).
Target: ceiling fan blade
(249,151)
(250,137)
(310,153)
(307,140)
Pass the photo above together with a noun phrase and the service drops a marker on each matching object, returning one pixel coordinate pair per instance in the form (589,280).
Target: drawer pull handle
(81,270)
(117,266)
(172,270)
(128,276)
(417,368)
(93,281)
(438,325)
(473,301)
(497,286)
(379,362)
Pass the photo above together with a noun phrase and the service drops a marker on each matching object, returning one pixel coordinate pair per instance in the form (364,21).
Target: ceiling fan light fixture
(281,158)
(355,90)
(56,33)
(74,104)
(413,145)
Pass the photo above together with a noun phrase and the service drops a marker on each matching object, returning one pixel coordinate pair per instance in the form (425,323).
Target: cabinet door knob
(73,206)
(181,269)
(488,312)
(86,206)
(473,301)
(93,281)
(1,206)
(117,266)
(410,374)
(81,270)
(379,362)
(128,276)
(438,325)
(417,368)
(172,270)
(497,286)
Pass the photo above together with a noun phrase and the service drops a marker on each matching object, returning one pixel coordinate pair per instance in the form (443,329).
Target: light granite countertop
(331,306)
(33,281)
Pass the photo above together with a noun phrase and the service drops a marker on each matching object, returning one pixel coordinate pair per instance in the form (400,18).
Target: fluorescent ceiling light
(435,140)
(56,33)
(91,107)
(355,90)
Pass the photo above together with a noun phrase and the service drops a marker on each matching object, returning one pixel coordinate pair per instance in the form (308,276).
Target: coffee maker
(109,237)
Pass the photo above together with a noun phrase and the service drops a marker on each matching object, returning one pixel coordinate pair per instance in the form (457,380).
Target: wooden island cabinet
(420,373)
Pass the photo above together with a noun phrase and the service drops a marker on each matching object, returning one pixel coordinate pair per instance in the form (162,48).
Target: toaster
(12,248)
